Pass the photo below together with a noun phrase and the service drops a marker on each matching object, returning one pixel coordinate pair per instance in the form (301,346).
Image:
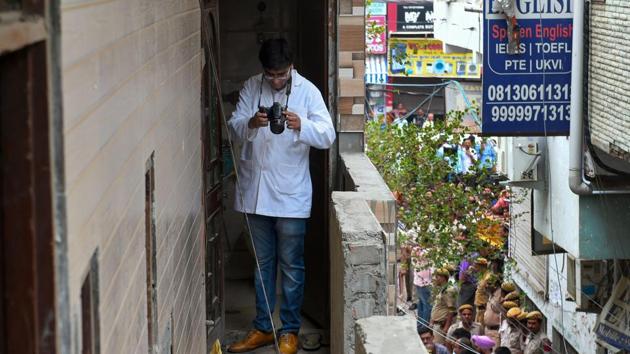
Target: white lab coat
(273,170)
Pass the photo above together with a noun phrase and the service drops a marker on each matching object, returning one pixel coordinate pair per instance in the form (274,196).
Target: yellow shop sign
(424,57)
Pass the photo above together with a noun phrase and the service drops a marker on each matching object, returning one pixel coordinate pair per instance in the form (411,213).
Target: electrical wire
(598,179)
(425,323)
(548,175)
(559,272)
(437,87)
(212,66)
(441,333)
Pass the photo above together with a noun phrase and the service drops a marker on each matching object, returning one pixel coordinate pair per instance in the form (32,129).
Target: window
(10,5)
(151,254)
(89,310)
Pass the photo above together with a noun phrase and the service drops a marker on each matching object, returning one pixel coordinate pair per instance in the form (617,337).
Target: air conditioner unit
(524,162)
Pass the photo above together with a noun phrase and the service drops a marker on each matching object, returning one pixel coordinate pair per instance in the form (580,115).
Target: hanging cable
(212,66)
(424,322)
(548,173)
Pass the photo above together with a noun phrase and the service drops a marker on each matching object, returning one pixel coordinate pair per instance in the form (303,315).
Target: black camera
(275,116)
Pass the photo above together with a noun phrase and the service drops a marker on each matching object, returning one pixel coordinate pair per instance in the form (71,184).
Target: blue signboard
(528,93)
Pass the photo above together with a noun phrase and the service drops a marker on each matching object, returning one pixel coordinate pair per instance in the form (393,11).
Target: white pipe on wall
(576,139)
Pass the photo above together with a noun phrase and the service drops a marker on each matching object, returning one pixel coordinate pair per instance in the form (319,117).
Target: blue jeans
(279,240)
(424,303)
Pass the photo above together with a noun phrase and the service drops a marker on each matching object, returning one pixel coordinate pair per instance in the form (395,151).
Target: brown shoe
(255,339)
(288,343)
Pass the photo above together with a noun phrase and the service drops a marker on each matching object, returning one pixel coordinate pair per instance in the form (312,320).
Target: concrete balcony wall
(362,248)
(357,280)
(358,174)
(385,335)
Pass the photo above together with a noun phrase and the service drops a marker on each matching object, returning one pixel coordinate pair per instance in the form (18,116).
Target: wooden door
(27,245)
(212,180)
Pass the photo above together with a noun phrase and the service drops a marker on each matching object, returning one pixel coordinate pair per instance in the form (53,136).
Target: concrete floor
(240,310)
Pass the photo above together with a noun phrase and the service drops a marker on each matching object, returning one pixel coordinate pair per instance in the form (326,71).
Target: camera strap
(288,90)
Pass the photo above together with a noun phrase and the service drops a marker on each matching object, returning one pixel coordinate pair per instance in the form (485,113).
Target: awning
(376,69)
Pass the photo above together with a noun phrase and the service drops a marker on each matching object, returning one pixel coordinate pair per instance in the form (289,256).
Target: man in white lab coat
(274,187)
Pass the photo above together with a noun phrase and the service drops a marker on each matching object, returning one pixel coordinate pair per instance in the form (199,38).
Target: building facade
(570,250)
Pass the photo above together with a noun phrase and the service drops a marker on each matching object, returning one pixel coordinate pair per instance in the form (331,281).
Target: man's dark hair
(461,333)
(275,54)
(502,350)
(424,329)
(465,343)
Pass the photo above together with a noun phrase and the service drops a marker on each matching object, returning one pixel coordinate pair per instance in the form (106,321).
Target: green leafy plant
(442,212)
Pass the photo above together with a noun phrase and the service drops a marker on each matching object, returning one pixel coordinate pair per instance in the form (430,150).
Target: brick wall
(609,69)
(351,46)
(131,87)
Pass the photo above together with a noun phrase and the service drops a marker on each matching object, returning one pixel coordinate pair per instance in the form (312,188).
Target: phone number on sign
(551,92)
(527,113)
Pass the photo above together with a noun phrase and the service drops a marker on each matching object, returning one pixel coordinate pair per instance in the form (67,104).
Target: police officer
(495,310)
(511,333)
(485,277)
(466,321)
(537,341)
(443,305)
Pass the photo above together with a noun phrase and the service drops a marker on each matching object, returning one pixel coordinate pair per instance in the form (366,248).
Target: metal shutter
(532,268)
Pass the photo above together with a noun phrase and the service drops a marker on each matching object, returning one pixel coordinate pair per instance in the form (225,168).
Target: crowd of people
(467,306)
(400,116)
(469,309)
(470,154)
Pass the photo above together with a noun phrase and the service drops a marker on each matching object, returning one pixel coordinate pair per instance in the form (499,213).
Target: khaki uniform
(481,295)
(492,316)
(511,337)
(537,343)
(475,328)
(443,305)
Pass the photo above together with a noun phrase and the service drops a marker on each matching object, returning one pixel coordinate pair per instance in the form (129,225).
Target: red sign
(375,35)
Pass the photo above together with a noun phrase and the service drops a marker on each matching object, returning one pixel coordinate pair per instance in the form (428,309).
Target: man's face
(467,144)
(277,78)
(440,280)
(479,268)
(430,117)
(427,340)
(533,325)
(467,316)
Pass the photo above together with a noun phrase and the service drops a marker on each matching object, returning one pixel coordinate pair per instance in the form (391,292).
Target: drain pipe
(576,138)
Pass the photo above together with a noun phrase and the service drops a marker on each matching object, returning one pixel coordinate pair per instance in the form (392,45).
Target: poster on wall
(424,57)
(410,18)
(613,327)
(375,36)
(527,83)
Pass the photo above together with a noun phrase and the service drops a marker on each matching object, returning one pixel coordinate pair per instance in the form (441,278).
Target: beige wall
(131,86)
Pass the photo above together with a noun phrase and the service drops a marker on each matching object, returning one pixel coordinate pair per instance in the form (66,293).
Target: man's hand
(293,120)
(258,120)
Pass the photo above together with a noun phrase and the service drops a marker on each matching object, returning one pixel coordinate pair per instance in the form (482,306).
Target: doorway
(27,247)
(243,25)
